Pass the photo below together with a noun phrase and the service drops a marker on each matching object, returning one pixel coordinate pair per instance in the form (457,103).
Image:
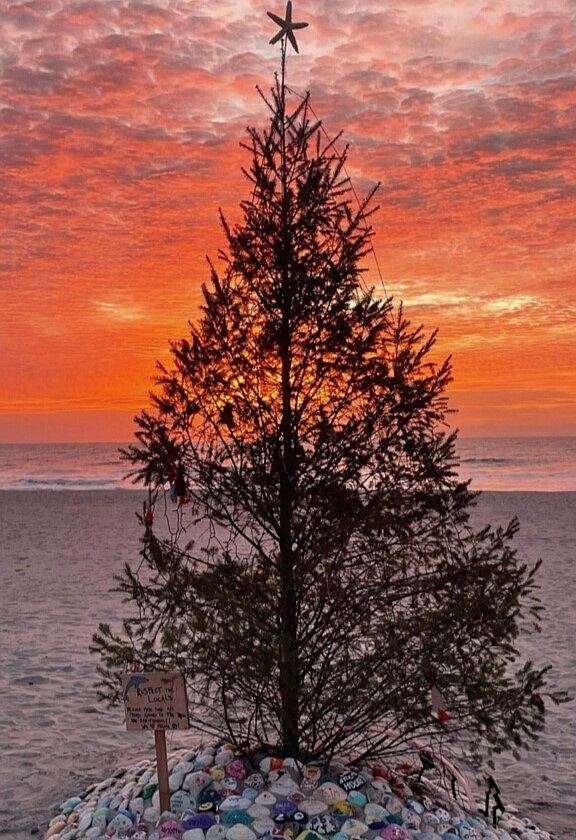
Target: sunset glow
(120,140)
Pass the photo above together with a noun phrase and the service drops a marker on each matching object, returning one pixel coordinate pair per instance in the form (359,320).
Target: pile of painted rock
(218,794)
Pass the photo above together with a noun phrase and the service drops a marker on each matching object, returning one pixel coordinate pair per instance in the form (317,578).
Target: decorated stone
(229,785)
(357,798)
(236,770)
(393,805)
(175,781)
(430,819)
(354,828)
(193,834)
(284,785)
(329,792)
(313,807)
(223,757)
(468,832)
(170,829)
(180,801)
(285,806)
(342,809)
(266,798)
(259,812)
(84,822)
(375,815)
(234,802)
(137,805)
(263,825)
(101,815)
(201,821)
(308,835)
(56,827)
(255,781)
(410,819)
(351,781)
(195,782)
(236,816)
(323,824)
(240,832)
(217,831)
(208,799)
(395,832)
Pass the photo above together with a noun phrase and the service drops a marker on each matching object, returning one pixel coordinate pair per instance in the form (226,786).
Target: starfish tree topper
(287,26)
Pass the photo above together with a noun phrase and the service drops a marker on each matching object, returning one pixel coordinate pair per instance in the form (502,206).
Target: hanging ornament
(438,704)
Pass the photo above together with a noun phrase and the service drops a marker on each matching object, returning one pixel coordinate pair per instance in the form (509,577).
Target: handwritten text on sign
(155,700)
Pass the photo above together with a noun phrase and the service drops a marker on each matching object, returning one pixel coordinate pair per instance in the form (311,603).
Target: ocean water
(523,463)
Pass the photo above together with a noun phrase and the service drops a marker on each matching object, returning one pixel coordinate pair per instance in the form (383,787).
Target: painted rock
(468,832)
(354,828)
(84,822)
(263,825)
(224,757)
(100,816)
(149,790)
(308,835)
(357,798)
(255,781)
(55,828)
(410,819)
(393,805)
(351,780)
(236,816)
(236,770)
(196,782)
(180,802)
(324,824)
(175,781)
(265,798)
(313,807)
(284,785)
(70,804)
(330,792)
(120,823)
(234,802)
(170,829)
(259,812)
(375,814)
(342,809)
(395,832)
(137,805)
(201,821)
(217,831)
(240,832)
(193,834)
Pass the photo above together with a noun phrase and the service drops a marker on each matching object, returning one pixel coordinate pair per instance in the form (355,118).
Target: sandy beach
(60,550)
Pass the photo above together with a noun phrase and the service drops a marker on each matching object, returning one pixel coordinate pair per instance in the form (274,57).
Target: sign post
(156,700)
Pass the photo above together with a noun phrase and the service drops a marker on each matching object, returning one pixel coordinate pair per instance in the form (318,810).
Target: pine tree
(334,583)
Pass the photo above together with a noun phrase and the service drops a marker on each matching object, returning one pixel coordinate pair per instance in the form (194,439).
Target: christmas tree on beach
(316,577)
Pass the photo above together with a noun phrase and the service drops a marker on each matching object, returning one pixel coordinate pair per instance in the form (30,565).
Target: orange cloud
(120,140)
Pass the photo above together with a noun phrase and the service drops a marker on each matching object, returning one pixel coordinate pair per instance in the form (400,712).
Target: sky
(120,139)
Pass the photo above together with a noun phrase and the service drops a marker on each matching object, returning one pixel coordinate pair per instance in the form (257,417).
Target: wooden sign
(155,700)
